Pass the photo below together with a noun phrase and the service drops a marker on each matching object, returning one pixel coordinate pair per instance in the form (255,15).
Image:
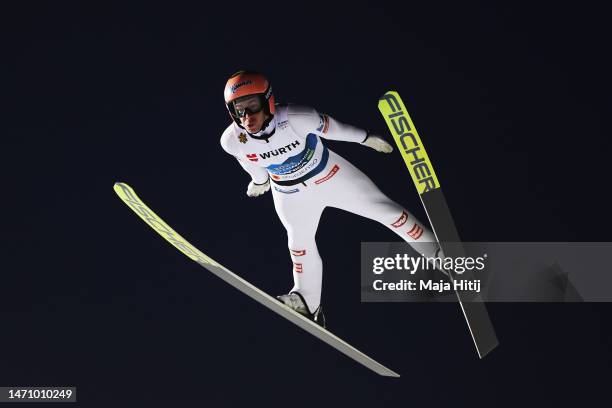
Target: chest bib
(290,158)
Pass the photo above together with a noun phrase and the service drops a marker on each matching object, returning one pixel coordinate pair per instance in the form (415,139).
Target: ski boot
(296,302)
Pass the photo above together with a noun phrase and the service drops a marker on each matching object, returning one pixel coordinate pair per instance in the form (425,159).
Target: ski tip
(122,189)
(121,185)
(382,97)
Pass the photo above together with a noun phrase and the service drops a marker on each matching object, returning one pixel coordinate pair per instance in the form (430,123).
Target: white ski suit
(307,177)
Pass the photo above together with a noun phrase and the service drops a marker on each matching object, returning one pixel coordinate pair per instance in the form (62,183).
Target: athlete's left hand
(378,143)
(254,190)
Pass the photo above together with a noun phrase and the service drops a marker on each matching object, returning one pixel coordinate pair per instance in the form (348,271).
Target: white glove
(255,190)
(378,143)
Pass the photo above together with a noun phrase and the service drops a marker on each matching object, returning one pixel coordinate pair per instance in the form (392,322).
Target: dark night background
(511,100)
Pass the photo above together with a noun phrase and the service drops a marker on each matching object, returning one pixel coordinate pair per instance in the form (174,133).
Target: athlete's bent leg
(354,192)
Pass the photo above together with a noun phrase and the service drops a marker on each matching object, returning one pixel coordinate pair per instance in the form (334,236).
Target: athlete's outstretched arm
(307,120)
(341,131)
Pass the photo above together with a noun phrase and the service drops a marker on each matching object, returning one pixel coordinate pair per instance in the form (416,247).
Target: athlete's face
(253,122)
(251,112)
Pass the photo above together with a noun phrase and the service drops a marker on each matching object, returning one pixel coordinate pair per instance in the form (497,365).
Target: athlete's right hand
(255,190)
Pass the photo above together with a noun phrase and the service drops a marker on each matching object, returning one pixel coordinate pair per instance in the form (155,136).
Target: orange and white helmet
(247,83)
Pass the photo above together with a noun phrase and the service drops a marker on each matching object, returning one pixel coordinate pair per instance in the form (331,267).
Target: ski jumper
(306,177)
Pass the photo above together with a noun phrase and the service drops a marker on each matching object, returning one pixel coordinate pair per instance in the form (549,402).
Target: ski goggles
(250,104)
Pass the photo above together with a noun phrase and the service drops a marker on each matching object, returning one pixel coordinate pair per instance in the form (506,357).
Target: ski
(424,177)
(129,197)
